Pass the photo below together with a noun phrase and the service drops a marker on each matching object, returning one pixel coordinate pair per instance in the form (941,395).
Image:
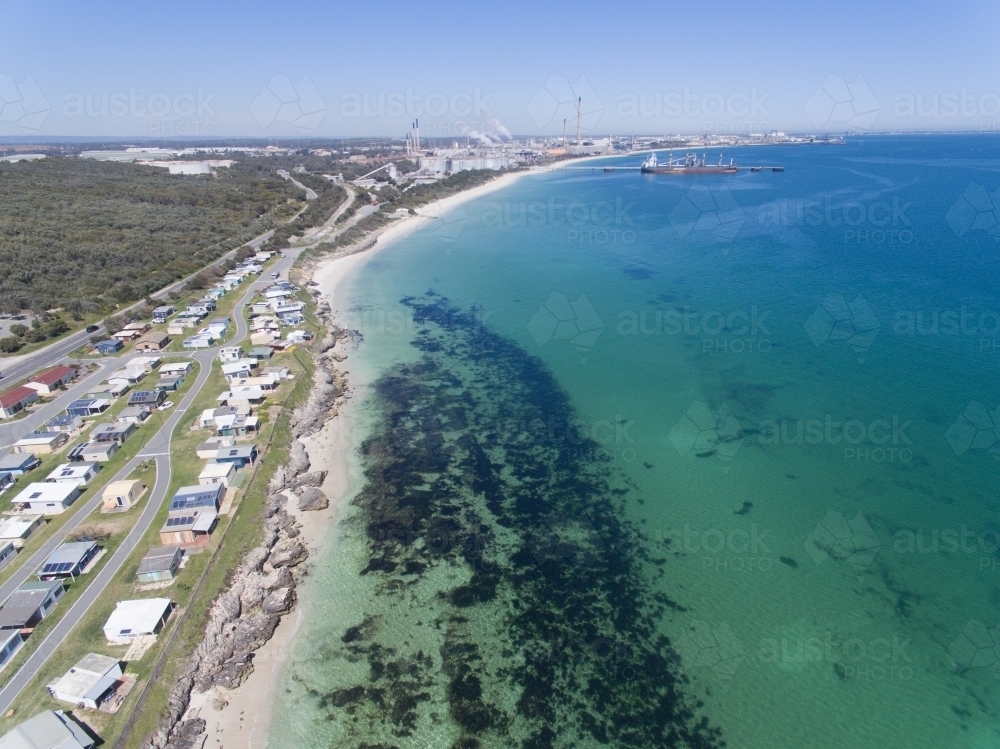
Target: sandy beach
(244,720)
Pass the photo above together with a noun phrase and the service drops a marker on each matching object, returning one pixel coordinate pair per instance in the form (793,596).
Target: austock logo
(713,212)
(558,100)
(975,429)
(715,649)
(836,537)
(977,647)
(566,541)
(702,433)
(976,210)
(838,102)
(22,104)
(283,101)
(837,320)
(562,320)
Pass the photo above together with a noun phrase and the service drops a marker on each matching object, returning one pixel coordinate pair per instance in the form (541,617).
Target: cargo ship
(690,164)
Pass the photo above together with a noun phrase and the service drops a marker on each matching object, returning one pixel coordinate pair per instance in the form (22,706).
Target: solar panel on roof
(65,566)
(48,568)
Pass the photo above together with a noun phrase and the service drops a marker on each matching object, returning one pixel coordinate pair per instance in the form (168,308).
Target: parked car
(165,406)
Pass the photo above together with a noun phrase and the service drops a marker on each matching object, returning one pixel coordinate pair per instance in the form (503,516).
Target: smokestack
(579,99)
(418,135)
(564,133)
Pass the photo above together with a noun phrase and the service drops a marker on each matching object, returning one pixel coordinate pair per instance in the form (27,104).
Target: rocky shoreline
(263,588)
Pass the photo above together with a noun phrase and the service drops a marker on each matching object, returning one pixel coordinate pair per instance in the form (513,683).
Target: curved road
(158,448)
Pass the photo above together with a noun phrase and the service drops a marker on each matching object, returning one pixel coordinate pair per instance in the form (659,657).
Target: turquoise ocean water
(656,461)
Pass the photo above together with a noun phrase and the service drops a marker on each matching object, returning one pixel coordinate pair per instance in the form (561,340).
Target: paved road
(158,449)
(310,193)
(17,368)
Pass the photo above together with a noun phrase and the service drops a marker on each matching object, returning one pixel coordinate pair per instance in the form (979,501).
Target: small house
(41,443)
(16,400)
(160,563)
(7,552)
(242,395)
(51,380)
(50,729)
(138,326)
(30,603)
(148,398)
(190,497)
(160,314)
(189,527)
(17,528)
(48,499)
(239,455)
(116,432)
(121,494)
(153,342)
(236,425)
(180,326)
(261,353)
(78,474)
(10,642)
(89,683)
(109,346)
(69,560)
(19,464)
(177,368)
(140,618)
(88,407)
(100,452)
(132,415)
(7,479)
(126,336)
(208,449)
(146,363)
(230,353)
(169,383)
(131,376)
(217,473)
(64,423)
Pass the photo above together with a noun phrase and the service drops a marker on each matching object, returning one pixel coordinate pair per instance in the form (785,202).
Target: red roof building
(13,401)
(50,380)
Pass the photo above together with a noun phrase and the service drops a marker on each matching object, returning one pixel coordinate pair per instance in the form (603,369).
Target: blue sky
(346,69)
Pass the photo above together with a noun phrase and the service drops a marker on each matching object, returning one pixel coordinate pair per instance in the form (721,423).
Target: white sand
(244,722)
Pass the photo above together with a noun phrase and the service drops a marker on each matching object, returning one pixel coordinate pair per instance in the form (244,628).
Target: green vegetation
(89,236)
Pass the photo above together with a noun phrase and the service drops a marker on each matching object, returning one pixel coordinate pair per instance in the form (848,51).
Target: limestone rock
(234,672)
(315,478)
(287,554)
(312,498)
(279,601)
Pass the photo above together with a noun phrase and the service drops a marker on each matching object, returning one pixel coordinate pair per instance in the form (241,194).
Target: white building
(230,353)
(140,618)
(48,499)
(78,474)
(18,528)
(87,684)
(217,473)
(50,729)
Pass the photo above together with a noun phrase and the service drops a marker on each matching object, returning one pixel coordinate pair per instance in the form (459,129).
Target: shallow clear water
(656,450)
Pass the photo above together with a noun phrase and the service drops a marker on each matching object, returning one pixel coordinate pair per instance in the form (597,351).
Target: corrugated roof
(16,395)
(53,375)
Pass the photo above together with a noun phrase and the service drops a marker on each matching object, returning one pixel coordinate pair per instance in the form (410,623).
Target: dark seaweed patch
(468,480)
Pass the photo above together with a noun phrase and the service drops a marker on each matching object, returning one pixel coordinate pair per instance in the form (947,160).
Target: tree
(9,345)
(18,330)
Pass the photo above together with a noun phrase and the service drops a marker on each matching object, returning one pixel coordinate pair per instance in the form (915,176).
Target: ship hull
(683,170)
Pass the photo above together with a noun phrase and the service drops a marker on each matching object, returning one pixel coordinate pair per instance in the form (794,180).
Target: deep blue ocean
(723,449)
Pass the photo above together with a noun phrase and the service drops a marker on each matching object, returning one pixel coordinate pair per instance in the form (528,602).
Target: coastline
(241,717)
